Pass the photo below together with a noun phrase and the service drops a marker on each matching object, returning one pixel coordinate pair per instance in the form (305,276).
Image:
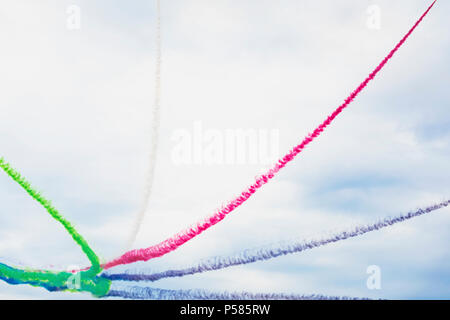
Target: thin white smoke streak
(154,136)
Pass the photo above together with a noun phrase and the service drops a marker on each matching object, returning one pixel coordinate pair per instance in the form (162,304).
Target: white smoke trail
(154,133)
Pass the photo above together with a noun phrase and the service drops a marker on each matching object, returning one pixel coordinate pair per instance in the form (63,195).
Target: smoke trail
(55,281)
(95,263)
(141,293)
(154,135)
(266,253)
(179,239)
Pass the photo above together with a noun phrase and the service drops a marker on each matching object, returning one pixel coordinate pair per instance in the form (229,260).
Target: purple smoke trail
(249,256)
(146,293)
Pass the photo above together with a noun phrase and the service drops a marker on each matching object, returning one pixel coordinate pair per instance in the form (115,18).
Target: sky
(76,108)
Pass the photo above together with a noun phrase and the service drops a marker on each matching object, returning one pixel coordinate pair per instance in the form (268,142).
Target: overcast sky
(76,107)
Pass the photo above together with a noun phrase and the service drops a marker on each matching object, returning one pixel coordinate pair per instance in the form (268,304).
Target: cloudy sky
(76,106)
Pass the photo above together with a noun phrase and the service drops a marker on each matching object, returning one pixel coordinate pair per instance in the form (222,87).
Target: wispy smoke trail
(16,176)
(266,253)
(153,135)
(142,293)
(179,239)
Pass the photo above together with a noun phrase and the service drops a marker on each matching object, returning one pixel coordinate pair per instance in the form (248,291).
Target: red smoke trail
(179,239)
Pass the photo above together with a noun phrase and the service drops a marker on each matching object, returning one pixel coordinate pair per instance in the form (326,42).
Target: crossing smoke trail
(142,293)
(55,281)
(179,239)
(17,177)
(261,254)
(154,135)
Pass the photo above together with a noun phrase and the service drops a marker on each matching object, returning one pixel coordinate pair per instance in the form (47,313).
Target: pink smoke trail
(180,238)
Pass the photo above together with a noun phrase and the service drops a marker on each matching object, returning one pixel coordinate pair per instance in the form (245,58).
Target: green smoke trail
(56,281)
(95,267)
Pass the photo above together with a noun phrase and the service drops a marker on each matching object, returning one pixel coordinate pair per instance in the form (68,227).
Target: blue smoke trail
(147,293)
(250,256)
